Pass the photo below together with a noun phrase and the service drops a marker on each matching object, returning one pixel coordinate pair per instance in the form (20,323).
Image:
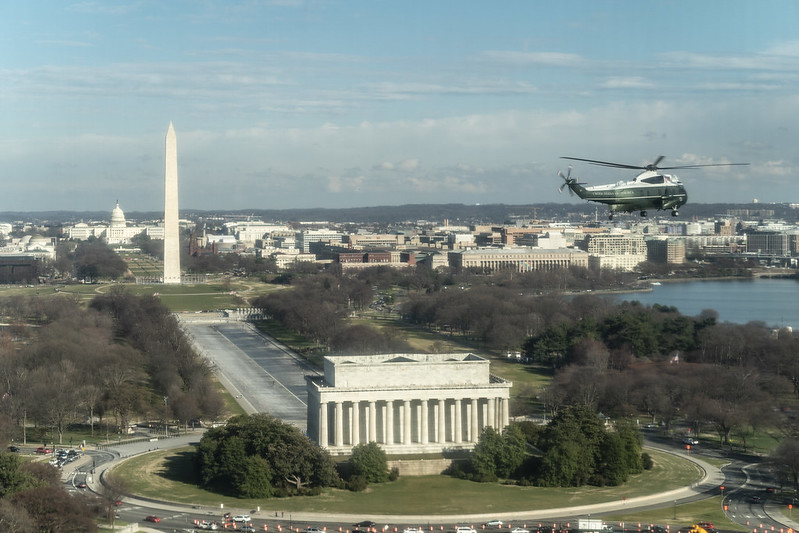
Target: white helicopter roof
(645,178)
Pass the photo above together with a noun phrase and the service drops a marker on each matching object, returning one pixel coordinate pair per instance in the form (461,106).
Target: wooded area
(111,364)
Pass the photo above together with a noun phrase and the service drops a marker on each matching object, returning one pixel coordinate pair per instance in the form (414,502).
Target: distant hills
(438,213)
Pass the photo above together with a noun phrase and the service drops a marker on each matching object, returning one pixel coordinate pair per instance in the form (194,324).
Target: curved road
(267,377)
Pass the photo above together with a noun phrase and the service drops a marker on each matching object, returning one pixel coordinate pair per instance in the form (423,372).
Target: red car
(43,450)
(152,518)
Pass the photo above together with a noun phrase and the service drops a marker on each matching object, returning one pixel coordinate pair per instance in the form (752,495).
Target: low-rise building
(518,259)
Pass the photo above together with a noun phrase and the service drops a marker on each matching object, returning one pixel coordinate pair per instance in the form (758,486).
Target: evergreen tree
(369,460)
(253,456)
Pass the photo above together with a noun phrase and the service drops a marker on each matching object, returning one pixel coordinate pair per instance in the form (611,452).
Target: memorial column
(442,422)
(406,422)
(372,436)
(389,422)
(474,431)
(355,439)
(323,424)
(458,421)
(425,415)
(339,421)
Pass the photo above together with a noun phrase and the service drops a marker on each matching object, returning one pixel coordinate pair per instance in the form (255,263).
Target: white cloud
(409,165)
(511,57)
(634,82)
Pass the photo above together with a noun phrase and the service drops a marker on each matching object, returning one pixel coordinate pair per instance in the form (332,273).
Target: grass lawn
(172,472)
(212,295)
(708,510)
(420,339)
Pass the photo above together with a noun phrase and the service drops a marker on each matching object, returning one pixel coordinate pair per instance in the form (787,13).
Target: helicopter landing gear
(643,213)
(674,213)
(610,216)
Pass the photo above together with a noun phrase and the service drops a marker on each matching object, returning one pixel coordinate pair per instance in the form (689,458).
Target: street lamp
(166,430)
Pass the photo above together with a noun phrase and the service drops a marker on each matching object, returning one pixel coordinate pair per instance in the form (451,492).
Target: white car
(241,518)
(519,530)
(411,530)
(464,529)
(494,523)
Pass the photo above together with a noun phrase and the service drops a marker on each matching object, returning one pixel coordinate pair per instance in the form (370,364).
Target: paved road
(263,375)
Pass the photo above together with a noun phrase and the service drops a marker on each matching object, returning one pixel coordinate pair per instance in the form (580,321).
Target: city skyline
(304,104)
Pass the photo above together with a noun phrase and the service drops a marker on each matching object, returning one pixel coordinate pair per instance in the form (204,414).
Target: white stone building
(117,232)
(518,259)
(407,403)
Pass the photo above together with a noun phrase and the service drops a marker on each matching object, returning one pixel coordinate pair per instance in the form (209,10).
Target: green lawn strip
(286,336)
(171,474)
(708,510)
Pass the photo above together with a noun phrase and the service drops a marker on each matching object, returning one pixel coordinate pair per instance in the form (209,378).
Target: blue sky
(292,103)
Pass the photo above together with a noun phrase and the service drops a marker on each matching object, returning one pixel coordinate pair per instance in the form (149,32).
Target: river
(772,301)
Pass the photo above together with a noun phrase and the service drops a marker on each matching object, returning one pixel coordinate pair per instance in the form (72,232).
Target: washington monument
(171,233)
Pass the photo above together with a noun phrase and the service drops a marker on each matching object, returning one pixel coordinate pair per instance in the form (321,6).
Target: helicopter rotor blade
(567,179)
(709,165)
(604,163)
(651,166)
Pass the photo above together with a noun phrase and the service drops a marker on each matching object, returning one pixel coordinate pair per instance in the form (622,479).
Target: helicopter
(650,189)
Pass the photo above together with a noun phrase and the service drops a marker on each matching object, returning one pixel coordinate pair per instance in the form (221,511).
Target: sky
(305,103)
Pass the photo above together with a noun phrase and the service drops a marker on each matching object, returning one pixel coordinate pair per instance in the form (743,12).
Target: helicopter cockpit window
(653,179)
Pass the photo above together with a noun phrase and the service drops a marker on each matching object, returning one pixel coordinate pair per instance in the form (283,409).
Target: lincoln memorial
(408,403)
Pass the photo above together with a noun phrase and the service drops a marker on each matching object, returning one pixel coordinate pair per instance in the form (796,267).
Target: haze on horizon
(304,103)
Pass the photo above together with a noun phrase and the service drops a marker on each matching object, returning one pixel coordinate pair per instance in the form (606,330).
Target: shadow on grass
(182,468)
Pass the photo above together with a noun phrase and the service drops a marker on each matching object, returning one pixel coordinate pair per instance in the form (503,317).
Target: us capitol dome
(118,217)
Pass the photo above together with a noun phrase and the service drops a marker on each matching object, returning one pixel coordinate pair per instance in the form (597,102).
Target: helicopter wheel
(675,213)
(643,213)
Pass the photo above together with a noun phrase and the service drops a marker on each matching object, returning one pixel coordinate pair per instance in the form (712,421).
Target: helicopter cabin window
(653,179)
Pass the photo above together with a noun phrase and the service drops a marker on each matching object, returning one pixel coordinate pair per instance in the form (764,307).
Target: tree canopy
(578,450)
(369,460)
(259,456)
